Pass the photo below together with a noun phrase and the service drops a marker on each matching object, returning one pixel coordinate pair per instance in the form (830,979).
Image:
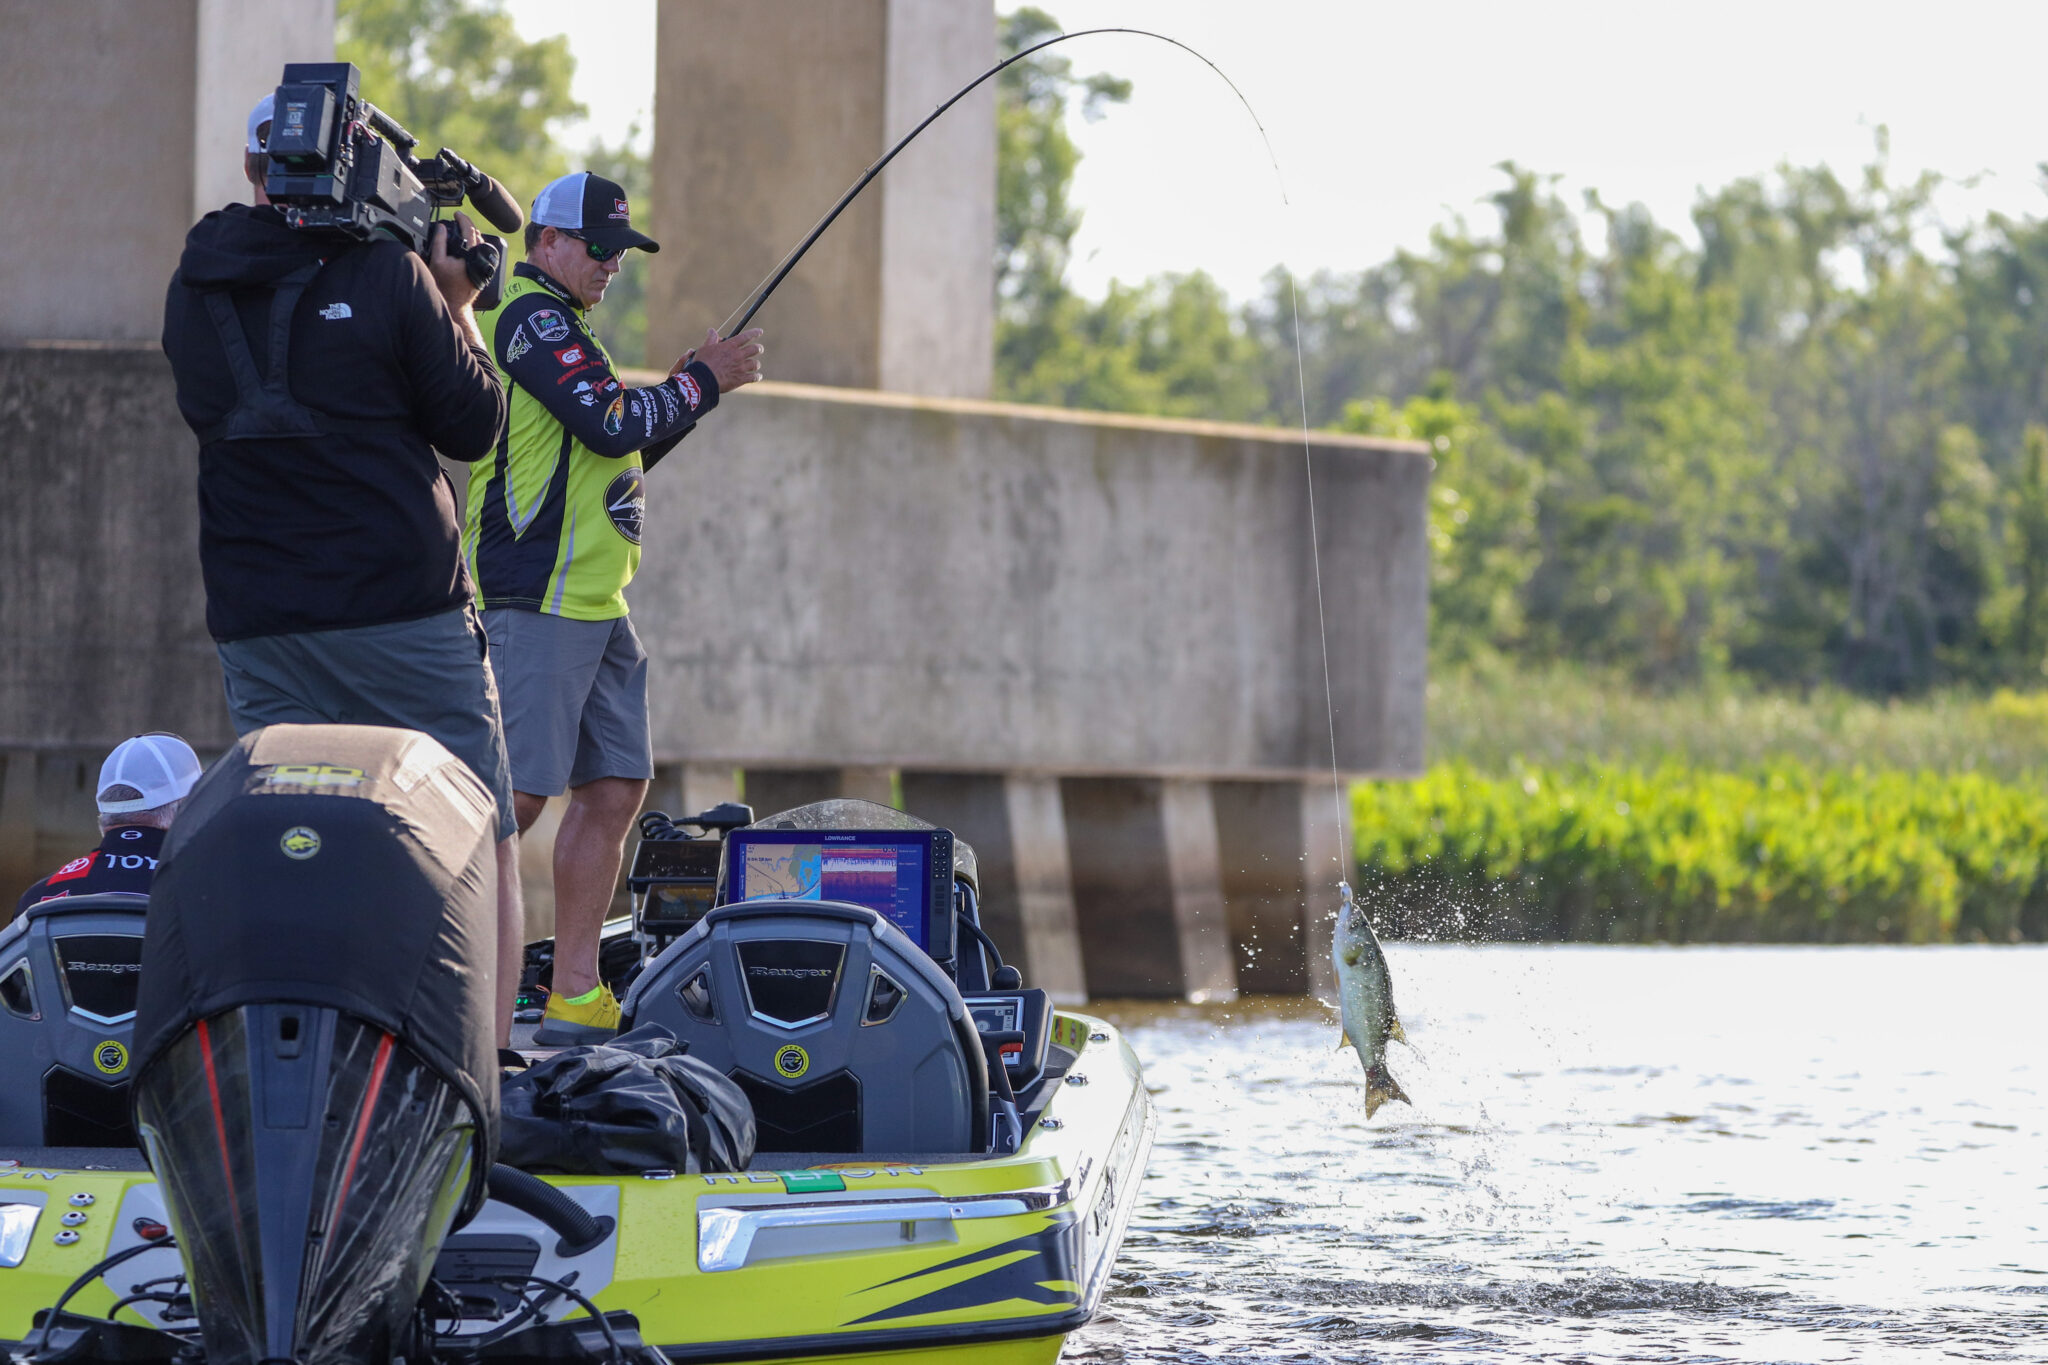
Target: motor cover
(351,867)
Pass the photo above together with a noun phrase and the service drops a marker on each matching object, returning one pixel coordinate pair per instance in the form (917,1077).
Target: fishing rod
(788,263)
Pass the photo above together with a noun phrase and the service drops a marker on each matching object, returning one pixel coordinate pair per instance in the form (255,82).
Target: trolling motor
(316,1084)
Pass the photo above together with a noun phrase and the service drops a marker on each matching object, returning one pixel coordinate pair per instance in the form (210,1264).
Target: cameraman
(320,374)
(554,538)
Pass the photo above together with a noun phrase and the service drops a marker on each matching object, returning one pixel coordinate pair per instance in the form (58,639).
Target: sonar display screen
(888,878)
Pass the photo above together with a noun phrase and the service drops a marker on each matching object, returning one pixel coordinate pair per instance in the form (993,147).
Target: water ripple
(1610,1159)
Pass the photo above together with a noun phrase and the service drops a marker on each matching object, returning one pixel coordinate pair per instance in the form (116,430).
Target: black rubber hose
(980,935)
(569,1220)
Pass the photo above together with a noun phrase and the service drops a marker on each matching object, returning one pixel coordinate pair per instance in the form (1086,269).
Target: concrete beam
(835,578)
(1148,888)
(832,580)
(900,294)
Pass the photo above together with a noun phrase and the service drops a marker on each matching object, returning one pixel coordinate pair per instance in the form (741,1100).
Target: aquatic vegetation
(1784,851)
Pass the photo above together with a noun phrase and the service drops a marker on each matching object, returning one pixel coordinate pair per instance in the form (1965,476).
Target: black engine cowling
(316,1082)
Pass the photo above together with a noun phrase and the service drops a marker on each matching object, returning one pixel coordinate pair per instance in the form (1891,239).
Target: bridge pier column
(19,869)
(769,790)
(687,788)
(1019,834)
(1148,887)
(1284,846)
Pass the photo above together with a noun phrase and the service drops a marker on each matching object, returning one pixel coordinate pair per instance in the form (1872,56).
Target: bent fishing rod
(867,177)
(775,277)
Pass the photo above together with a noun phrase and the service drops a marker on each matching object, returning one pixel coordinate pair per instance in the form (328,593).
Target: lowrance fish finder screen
(889,872)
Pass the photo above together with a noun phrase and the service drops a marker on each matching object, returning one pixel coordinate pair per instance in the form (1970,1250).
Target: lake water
(1615,1154)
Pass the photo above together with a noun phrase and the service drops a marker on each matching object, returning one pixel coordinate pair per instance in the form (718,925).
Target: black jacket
(125,861)
(357,527)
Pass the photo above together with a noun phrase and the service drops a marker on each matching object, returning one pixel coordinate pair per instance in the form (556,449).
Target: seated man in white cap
(141,784)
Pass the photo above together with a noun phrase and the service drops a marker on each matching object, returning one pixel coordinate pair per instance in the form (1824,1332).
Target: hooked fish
(1365,992)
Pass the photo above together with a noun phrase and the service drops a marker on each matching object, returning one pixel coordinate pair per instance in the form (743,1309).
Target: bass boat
(251,1119)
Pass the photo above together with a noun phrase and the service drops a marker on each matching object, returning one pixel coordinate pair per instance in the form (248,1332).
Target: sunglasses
(597,253)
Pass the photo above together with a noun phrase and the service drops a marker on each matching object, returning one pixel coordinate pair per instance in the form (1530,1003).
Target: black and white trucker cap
(592,207)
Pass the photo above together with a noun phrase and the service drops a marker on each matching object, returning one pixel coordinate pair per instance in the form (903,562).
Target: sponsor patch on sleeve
(692,394)
(624,503)
(550,325)
(518,345)
(615,416)
(570,355)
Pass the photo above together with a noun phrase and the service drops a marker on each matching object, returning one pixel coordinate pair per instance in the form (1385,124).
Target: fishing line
(761,292)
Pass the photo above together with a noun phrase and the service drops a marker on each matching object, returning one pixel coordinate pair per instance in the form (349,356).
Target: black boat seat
(69,967)
(843,1033)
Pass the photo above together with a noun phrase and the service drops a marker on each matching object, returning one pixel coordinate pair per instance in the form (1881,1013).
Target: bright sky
(1389,118)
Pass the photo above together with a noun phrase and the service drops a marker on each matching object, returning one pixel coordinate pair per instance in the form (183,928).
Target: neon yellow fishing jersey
(554,515)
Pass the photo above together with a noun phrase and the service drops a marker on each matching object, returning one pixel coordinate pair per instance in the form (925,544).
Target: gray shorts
(432,674)
(575,699)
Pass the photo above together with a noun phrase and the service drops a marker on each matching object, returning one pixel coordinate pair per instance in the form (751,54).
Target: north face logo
(335,312)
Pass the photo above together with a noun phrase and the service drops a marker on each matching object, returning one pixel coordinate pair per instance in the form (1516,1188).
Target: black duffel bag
(636,1103)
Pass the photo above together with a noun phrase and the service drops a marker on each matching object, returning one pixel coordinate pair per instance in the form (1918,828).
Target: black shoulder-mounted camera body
(340,164)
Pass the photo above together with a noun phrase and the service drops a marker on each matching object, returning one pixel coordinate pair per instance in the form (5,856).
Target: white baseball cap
(160,766)
(259,120)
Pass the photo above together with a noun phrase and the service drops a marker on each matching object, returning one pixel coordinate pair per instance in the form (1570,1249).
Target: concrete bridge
(1089,643)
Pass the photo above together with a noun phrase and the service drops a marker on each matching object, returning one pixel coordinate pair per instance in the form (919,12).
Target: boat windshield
(843,812)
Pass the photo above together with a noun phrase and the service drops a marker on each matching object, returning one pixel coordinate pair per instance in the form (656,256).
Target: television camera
(340,164)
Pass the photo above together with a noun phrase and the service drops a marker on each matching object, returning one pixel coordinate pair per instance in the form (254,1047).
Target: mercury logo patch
(625,503)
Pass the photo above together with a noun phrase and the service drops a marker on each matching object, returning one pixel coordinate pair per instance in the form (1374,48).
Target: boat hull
(864,1259)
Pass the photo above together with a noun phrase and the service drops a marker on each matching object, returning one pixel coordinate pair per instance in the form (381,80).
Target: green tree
(1482,519)
(457,74)
(1036,157)
(621,320)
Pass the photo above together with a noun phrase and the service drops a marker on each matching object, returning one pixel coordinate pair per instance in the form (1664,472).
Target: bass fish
(1366,993)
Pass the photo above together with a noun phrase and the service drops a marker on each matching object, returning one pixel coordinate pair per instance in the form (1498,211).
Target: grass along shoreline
(1561,807)
(1494,717)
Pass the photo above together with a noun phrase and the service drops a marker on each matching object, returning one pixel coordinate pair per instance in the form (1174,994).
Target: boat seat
(846,1037)
(69,967)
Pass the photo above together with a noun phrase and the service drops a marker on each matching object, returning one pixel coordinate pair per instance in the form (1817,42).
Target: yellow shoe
(569,1023)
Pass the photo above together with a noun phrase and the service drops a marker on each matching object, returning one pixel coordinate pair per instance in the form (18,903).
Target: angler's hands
(734,360)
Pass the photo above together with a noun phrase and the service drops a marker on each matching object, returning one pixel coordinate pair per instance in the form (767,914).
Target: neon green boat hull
(993,1261)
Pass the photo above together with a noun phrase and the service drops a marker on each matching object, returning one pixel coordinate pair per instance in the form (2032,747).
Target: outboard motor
(316,1083)
(68,973)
